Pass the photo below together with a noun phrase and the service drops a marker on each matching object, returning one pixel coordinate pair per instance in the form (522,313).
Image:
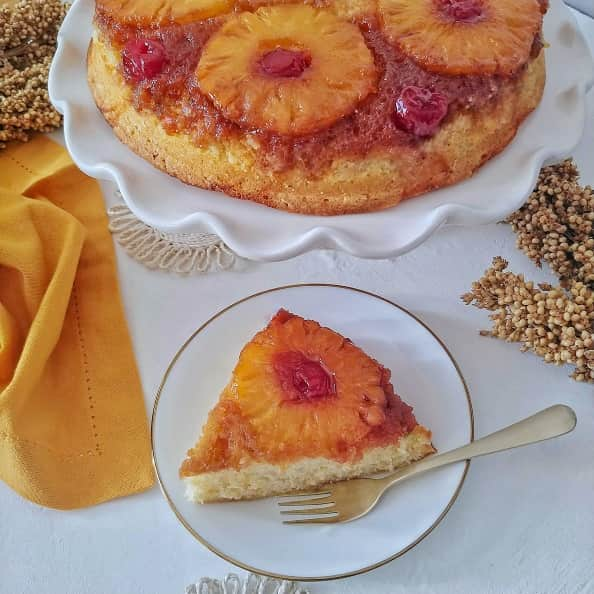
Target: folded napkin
(73,429)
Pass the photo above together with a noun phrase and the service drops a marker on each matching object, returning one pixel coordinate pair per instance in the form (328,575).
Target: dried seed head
(556,225)
(28,32)
(555,323)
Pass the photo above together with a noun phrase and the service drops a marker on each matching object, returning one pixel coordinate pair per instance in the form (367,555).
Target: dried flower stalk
(556,225)
(28,33)
(555,323)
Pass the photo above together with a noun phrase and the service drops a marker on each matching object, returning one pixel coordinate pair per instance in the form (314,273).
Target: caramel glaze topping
(174,96)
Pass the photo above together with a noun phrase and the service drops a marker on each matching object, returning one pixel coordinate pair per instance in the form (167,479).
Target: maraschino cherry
(302,378)
(284,63)
(461,11)
(143,59)
(420,111)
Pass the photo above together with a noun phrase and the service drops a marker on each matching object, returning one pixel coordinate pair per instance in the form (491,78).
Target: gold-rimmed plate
(251,534)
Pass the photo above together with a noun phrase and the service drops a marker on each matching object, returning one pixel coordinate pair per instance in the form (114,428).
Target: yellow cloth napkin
(73,429)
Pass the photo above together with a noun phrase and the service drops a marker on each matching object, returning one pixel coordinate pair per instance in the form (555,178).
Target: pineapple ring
(341,73)
(498,43)
(158,12)
(335,425)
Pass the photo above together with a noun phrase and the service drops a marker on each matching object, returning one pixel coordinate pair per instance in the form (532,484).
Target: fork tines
(320,505)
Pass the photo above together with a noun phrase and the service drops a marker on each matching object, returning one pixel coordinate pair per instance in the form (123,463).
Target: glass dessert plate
(261,233)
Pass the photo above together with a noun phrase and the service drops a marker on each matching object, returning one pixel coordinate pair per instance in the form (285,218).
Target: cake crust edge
(259,479)
(350,185)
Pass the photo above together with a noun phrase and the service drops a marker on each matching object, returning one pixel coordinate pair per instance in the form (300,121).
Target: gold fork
(349,500)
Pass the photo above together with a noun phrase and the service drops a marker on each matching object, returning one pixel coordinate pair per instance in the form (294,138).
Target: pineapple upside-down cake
(317,106)
(304,407)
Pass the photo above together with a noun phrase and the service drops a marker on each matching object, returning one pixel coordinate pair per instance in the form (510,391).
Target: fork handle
(550,422)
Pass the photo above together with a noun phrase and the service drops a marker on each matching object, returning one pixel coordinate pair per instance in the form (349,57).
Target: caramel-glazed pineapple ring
(499,42)
(341,72)
(159,12)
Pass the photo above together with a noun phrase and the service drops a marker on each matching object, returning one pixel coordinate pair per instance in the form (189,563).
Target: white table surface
(523,523)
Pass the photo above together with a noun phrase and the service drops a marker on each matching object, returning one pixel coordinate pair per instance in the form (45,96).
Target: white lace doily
(183,253)
(253,584)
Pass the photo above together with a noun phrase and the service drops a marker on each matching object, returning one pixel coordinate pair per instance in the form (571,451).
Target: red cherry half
(143,59)
(285,63)
(302,378)
(420,111)
(461,11)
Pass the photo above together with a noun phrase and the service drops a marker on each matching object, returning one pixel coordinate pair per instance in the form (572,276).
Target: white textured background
(524,521)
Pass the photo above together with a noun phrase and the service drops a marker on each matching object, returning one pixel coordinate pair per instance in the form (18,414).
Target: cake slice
(304,407)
